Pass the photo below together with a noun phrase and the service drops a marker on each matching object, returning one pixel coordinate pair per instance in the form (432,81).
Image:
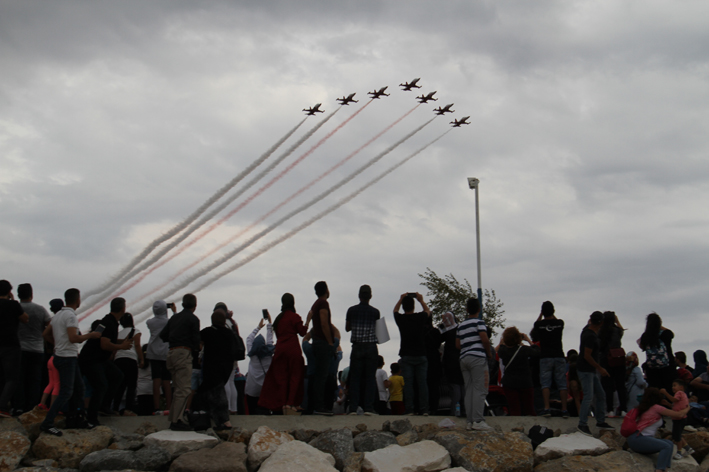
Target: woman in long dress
(283,386)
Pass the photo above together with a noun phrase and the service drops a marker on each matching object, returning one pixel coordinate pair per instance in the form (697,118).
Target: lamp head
(473,182)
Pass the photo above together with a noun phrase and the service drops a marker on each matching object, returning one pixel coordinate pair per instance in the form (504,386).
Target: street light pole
(473,183)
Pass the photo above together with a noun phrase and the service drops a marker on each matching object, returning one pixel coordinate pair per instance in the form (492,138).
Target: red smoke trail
(275,209)
(211,228)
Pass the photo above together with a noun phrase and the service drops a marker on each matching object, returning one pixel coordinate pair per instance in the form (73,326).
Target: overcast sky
(588,133)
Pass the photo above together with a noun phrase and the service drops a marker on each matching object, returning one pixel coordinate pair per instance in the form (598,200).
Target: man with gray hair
(157,354)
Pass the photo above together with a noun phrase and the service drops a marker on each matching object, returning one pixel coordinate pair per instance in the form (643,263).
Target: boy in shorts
(679,401)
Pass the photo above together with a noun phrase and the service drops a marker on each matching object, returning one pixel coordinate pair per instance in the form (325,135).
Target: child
(679,402)
(396,390)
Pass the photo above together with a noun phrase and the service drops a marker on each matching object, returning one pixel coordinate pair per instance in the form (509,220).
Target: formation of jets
(424,99)
(444,110)
(347,100)
(406,86)
(462,121)
(379,93)
(313,110)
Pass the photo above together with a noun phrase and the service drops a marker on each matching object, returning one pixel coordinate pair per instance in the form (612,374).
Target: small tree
(448,294)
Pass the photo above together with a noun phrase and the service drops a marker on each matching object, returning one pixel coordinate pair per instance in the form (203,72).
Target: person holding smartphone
(260,354)
(128,361)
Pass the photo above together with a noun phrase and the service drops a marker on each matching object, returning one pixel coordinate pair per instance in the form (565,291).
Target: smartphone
(265,313)
(100,328)
(412,294)
(132,332)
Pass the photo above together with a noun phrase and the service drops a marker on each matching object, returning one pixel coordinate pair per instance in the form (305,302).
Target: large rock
(400,426)
(146,428)
(409,437)
(354,462)
(296,456)
(487,451)
(425,456)
(369,441)
(305,435)
(148,458)
(238,435)
(180,442)
(698,441)
(12,424)
(617,461)
(126,441)
(226,457)
(32,419)
(263,443)
(613,440)
(704,466)
(68,450)
(338,442)
(13,447)
(576,444)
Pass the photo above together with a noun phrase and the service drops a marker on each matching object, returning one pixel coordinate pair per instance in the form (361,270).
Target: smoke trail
(285,218)
(262,218)
(208,216)
(183,224)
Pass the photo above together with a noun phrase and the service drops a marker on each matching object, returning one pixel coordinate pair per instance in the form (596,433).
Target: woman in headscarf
(700,363)
(451,360)
(283,386)
(260,354)
(635,383)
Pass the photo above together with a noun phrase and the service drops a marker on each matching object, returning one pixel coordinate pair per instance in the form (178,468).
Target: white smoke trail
(184,223)
(208,216)
(180,285)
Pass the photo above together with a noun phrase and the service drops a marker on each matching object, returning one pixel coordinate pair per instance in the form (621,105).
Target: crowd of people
(185,370)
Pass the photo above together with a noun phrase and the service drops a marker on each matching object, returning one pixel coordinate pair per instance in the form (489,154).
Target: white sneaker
(610,414)
(622,414)
(482,426)
(469,426)
(677,456)
(690,428)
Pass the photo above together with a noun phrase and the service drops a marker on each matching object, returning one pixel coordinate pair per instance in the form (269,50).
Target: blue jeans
(650,445)
(414,369)
(363,371)
(71,390)
(592,391)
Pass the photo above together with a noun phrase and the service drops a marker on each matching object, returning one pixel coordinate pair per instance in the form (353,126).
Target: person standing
(32,359)
(451,361)
(517,381)
(182,335)
(474,345)
(613,360)
(323,347)
(129,362)
(11,315)
(549,329)
(157,354)
(656,341)
(64,333)
(589,371)
(260,354)
(361,321)
(96,364)
(382,387)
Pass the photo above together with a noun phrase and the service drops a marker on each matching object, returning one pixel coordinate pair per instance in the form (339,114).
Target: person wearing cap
(157,354)
(361,321)
(182,335)
(32,359)
(589,371)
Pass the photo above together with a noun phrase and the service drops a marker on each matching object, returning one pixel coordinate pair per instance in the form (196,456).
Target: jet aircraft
(379,93)
(457,123)
(408,86)
(424,99)
(444,110)
(313,110)
(347,100)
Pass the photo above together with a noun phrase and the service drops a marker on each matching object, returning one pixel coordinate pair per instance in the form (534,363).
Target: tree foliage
(448,294)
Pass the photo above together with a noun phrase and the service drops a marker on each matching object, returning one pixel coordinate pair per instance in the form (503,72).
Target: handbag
(380,328)
(616,357)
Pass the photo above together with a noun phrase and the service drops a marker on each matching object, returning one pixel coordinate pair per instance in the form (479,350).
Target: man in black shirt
(361,321)
(96,364)
(548,330)
(182,334)
(414,364)
(11,314)
(587,368)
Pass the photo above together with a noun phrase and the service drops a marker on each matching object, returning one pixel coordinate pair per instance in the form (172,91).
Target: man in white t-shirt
(64,333)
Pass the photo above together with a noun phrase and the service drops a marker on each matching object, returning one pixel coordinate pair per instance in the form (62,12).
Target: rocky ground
(398,445)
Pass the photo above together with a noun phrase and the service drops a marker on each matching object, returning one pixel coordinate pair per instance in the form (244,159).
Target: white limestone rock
(424,456)
(576,444)
(263,443)
(296,456)
(180,442)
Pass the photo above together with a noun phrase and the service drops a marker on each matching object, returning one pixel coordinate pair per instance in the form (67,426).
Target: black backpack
(538,434)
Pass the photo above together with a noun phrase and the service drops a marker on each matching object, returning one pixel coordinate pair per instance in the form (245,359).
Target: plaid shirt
(362,319)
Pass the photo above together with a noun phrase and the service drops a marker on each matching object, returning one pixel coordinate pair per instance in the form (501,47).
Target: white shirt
(127,353)
(145,382)
(383,391)
(257,367)
(65,318)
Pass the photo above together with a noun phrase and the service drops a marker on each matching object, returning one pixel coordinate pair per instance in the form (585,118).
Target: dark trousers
(102,376)
(615,382)
(214,401)
(129,368)
(362,376)
(520,401)
(71,390)
(10,362)
(414,370)
(322,355)
(29,388)
(433,381)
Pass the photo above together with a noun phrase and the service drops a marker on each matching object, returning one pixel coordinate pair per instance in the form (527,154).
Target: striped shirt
(468,333)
